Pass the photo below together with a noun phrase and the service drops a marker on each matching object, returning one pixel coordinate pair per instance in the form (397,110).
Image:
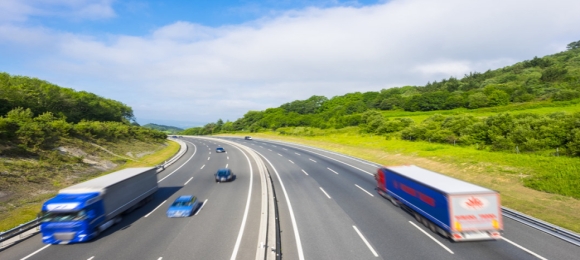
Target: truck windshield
(63,216)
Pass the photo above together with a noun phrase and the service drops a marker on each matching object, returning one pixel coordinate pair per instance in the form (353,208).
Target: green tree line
(23,131)
(554,77)
(41,96)
(36,115)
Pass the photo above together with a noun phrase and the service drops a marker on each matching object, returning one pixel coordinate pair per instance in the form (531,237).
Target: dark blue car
(224,174)
(184,206)
(220,150)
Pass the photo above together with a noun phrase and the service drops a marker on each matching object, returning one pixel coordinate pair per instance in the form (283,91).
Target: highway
(330,194)
(328,210)
(148,234)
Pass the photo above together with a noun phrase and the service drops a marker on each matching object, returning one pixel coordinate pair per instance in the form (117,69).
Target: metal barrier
(546,227)
(22,229)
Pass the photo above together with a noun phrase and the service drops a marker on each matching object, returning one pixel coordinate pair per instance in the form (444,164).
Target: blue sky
(187,63)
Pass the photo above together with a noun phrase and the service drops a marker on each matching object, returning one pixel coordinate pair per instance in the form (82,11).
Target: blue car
(224,174)
(184,206)
(220,150)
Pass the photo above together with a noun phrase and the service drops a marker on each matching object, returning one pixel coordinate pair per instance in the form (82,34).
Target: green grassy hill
(164,128)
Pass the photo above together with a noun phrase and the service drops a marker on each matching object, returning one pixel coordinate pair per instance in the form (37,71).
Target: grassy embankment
(28,204)
(501,171)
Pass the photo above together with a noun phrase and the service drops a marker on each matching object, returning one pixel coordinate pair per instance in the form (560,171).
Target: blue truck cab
(71,218)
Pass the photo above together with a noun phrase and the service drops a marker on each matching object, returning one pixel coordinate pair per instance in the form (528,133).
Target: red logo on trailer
(474,203)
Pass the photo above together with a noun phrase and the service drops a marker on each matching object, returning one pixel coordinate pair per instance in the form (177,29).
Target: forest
(553,78)
(35,115)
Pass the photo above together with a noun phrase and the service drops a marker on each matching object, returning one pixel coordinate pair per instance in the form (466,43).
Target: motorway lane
(154,236)
(375,216)
(325,227)
(34,243)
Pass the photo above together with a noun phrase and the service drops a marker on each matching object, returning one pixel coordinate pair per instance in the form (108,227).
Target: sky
(190,62)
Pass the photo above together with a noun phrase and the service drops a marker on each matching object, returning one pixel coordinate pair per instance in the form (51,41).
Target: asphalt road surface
(328,210)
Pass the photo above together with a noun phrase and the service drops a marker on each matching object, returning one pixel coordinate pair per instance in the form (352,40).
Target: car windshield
(223,173)
(63,216)
(181,204)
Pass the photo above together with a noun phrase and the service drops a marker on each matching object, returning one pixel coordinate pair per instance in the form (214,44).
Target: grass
(504,172)
(26,208)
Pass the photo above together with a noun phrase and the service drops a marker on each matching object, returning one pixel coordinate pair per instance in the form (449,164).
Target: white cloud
(189,72)
(22,10)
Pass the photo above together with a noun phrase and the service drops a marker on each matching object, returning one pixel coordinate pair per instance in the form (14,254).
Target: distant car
(184,206)
(248,138)
(220,150)
(224,174)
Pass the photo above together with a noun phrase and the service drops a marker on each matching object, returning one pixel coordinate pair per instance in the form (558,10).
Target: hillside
(52,137)
(553,80)
(530,108)
(164,128)
(41,96)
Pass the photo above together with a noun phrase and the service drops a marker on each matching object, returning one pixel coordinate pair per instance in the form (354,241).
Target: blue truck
(456,209)
(82,211)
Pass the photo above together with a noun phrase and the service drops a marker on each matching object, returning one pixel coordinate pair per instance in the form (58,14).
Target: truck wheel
(426,222)
(417,217)
(432,227)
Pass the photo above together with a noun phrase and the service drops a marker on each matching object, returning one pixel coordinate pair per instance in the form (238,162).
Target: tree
(477,100)
(573,45)
(498,98)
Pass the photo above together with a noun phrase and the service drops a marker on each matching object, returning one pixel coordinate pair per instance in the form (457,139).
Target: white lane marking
(324,192)
(292,218)
(270,150)
(304,172)
(159,258)
(261,146)
(202,167)
(35,252)
(274,146)
(311,159)
(228,157)
(364,190)
(244,219)
(332,170)
(156,208)
(208,158)
(427,234)
(91,258)
(204,202)
(366,242)
(285,149)
(523,248)
(188,181)
(291,161)
(280,155)
(297,153)
(226,165)
(194,151)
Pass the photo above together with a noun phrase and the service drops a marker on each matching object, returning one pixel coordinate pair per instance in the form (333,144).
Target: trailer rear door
(476,212)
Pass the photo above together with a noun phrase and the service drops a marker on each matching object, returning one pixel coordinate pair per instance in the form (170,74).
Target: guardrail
(546,227)
(25,230)
(182,151)
(18,233)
